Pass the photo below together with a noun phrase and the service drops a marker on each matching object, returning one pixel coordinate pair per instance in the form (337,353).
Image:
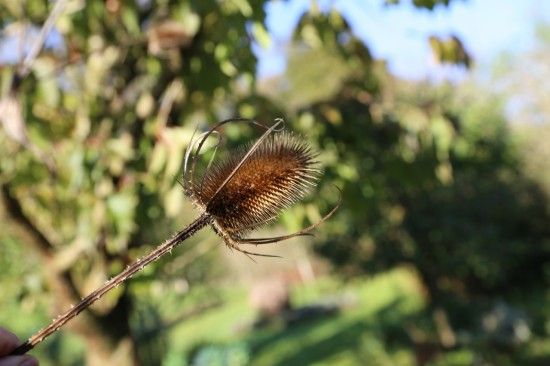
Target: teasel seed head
(278,173)
(253,185)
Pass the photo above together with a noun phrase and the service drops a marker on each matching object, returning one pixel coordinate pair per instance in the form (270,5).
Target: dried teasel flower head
(277,174)
(253,185)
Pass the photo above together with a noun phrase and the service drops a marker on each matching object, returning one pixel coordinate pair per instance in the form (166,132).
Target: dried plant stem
(56,11)
(132,269)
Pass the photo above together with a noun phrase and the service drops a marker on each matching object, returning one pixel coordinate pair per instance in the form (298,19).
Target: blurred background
(431,116)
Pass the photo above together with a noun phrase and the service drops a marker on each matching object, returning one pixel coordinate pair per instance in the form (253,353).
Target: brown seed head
(275,175)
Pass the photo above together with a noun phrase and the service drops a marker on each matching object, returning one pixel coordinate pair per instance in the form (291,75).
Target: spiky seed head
(277,174)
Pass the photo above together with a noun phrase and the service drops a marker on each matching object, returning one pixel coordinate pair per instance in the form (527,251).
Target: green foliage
(427,4)
(231,355)
(366,331)
(430,176)
(430,4)
(116,156)
(369,332)
(449,51)
(24,286)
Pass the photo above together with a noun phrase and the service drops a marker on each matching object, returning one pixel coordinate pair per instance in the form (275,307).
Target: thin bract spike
(303,232)
(271,240)
(213,129)
(257,254)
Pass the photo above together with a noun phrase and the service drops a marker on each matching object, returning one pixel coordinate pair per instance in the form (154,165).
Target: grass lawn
(368,329)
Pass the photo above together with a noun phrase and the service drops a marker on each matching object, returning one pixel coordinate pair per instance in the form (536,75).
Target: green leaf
(261,35)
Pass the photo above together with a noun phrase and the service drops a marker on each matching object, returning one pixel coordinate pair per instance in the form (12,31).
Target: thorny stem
(132,269)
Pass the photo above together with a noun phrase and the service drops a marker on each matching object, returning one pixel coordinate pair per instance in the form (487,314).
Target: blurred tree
(430,175)
(450,51)
(519,78)
(427,180)
(427,4)
(96,132)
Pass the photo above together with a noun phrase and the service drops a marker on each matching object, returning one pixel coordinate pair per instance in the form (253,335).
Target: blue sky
(399,33)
